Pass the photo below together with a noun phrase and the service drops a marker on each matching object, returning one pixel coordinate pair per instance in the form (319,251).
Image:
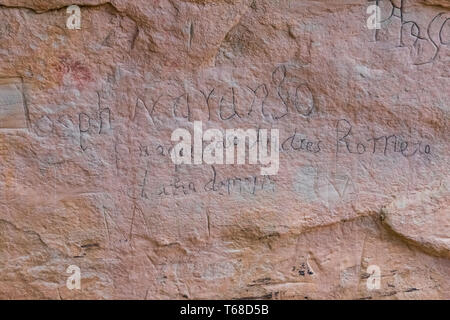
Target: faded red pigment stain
(80,73)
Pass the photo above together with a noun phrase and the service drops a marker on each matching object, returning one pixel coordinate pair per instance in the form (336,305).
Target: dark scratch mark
(191,34)
(209,223)
(25,104)
(90,245)
(135,36)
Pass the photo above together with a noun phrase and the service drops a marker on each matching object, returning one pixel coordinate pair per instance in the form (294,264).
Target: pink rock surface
(86,177)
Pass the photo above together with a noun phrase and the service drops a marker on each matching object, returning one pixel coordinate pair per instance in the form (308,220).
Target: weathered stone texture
(86,177)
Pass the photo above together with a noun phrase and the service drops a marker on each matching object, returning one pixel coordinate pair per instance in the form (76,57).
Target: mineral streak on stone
(87,180)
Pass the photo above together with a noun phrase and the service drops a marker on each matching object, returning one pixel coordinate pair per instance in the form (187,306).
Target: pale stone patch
(12,107)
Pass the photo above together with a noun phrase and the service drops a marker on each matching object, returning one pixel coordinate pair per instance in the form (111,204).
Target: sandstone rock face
(87,178)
